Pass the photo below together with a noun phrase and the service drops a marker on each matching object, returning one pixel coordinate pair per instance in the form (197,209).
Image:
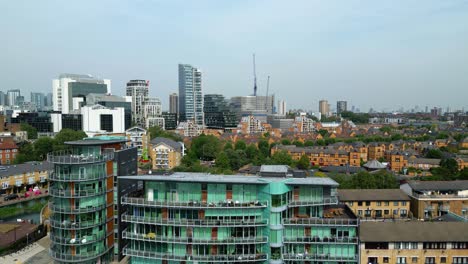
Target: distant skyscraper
(324,107)
(217,112)
(38,100)
(71,89)
(281,107)
(341,106)
(48,100)
(190,94)
(3,98)
(174,103)
(12,97)
(138,90)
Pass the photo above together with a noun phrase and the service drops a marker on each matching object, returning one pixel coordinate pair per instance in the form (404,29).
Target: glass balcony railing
(324,201)
(194,204)
(74,157)
(318,257)
(77,193)
(203,258)
(74,177)
(70,225)
(75,210)
(79,257)
(152,237)
(78,240)
(320,221)
(190,222)
(320,240)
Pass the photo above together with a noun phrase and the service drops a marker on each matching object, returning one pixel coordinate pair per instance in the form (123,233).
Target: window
(106,123)
(430,260)
(403,213)
(385,259)
(401,260)
(403,203)
(443,260)
(459,245)
(460,260)
(434,245)
(359,203)
(387,203)
(359,212)
(379,203)
(395,203)
(414,259)
(367,203)
(406,245)
(386,212)
(351,203)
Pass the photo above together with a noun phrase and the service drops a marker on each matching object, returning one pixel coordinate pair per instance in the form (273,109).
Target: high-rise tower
(190,94)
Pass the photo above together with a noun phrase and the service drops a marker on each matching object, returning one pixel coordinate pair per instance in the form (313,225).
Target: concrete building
(3,98)
(38,99)
(303,124)
(413,242)
(69,90)
(258,106)
(341,106)
(113,101)
(280,121)
(153,113)
(189,129)
(138,90)
(13,97)
(282,110)
(170,120)
(251,125)
(431,199)
(217,112)
(270,218)
(376,203)
(98,118)
(138,137)
(174,103)
(165,153)
(324,107)
(190,94)
(82,199)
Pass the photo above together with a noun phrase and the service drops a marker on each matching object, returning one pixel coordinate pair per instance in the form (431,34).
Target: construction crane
(255,76)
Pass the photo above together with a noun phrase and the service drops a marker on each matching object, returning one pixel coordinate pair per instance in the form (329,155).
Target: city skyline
(371,55)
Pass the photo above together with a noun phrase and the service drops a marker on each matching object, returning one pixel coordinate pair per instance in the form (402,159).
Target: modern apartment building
(431,199)
(341,106)
(413,242)
(173,103)
(13,97)
(138,90)
(376,203)
(38,99)
(324,108)
(82,189)
(165,153)
(21,177)
(217,112)
(138,137)
(271,218)
(153,112)
(69,90)
(258,106)
(190,94)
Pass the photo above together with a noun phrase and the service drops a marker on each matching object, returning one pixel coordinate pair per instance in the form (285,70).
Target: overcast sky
(380,54)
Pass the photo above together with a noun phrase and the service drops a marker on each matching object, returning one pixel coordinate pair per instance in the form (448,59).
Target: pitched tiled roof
(8,145)
(372,195)
(438,185)
(171,143)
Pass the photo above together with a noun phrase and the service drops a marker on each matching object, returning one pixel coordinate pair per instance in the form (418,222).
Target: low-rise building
(413,242)
(17,178)
(8,150)
(423,163)
(397,160)
(430,199)
(375,151)
(165,153)
(138,137)
(376,203)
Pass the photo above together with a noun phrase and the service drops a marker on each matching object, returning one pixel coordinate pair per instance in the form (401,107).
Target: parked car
(11,197)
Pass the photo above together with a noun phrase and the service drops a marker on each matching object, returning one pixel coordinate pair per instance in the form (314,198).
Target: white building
(70,89)
(281,107)
(138,91)
(98,118)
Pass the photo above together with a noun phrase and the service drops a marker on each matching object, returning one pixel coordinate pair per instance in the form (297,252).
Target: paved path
(36,253)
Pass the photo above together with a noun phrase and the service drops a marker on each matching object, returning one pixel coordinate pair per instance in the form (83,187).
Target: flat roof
(95,142)
(247,179)
(438,185)
(372,195)
(413,231)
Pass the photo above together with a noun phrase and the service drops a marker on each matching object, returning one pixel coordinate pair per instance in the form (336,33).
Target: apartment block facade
(21,177)
(270,218)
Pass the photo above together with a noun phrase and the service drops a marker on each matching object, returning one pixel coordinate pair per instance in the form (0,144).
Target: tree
(205,147)
(303,163)
(298,143)
(434,154)
(42,147)
(285,142)
(281,158)
(32,131)
(25,153)
(251,151)
(68,135)
(222,161)
(240,144)
(264,147)
(309,143)
(228,145)
(156,131)
(323,132)
(450,164)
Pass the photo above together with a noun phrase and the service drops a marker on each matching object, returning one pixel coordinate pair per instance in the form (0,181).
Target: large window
(434,245)
(106,123)
(406,245)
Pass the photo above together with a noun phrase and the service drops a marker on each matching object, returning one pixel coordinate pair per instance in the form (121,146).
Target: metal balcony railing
(318,257)
(77,240)
(69,225)
(208,258)
(320,221)
(152,237)
(76,177)
(320,240)
(325,201)
(75,157)
(194,204)
(77,193)
(81,257)
(444,208)
(75,210)
(198,222)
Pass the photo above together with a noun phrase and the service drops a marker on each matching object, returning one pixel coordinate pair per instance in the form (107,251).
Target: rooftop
(206,177)
(169,142)
(18,169)
(413,231)
(97,141)
(438,185)
(372,195)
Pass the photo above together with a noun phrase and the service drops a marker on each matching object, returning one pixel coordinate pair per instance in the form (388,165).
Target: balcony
(69,225)
(77,177)
(81,257)
(194,204)
(151,237)
(77,193)
(190,222)
(318,257)
(81,240)
(330,200)
(444,208)
(319,222)
(75,210)
(208,258)
(318,240)
(439,196)
(74,157)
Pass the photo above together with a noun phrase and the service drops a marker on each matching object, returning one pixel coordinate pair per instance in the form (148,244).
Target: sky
(380,54)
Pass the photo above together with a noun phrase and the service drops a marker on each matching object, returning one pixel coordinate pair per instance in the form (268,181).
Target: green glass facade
(203,218)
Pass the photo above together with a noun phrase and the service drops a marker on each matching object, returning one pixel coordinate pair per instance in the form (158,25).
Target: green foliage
(67,135)
(442,135)
(365,180)
(281,158)
(251,151)
(156,131)
(240,144)
(323,132)
(298,143)
(222,161)
(309,143)
(357,118)
(32,131)
(386,129)
(228,145)
(205,147)
(43,146)
(285,142)
(264,148)
(303,163)
(434,154)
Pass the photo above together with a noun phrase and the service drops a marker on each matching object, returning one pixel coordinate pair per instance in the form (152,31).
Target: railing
(81,257)
(320,221)
(325,201)
(189,240)
(187,222)
(77,240)
(444,208)
(77,193)
(74,177)
(318,257)
(77,210)
(195,204)
(74,157)
(438,196)
(76,225)
(429,208)
(318,240)
(210,258)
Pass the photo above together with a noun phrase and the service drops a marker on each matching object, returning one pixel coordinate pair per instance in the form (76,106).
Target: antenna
(255,76)
(266,98)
